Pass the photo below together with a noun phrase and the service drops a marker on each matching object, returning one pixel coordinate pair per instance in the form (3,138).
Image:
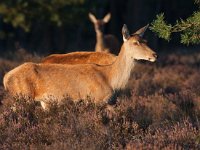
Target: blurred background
(59,26)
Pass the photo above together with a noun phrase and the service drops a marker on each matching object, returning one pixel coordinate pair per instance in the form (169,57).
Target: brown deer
(100,58)
(106,43)
(103,45)
(41,82)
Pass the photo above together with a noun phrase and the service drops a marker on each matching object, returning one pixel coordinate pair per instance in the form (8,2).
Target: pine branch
(161,28)
(189,29)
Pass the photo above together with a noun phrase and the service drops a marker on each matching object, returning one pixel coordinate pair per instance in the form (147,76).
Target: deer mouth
(152,59)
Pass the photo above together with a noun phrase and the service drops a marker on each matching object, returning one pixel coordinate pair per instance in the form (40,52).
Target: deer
(52,82)
(106,43)
(100,58)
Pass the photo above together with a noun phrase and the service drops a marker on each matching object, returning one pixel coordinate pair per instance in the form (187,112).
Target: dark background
(77,32)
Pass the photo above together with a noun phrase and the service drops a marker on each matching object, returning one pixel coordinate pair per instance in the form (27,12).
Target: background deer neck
(99,41)
(120,70)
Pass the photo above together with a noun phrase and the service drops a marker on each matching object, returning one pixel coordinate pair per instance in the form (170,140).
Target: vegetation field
(159,110)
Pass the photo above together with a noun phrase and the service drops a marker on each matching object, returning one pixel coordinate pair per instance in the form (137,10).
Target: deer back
(100,58)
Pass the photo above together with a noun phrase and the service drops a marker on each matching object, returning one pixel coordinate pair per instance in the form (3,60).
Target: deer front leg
(108,105)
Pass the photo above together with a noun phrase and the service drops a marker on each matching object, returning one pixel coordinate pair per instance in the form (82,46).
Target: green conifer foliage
(189,28)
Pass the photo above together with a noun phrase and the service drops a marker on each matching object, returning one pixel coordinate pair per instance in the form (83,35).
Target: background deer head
(99,23)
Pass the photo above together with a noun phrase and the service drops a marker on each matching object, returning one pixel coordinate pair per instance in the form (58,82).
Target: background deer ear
(125,33)
(92,17)
(107,18)
(141,31)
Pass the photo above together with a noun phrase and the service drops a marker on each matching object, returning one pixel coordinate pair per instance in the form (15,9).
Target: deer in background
(49,82)
(100,58)
(106,43)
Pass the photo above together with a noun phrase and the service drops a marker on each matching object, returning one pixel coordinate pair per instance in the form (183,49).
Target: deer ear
(141,31)
(92,17)
(125,33)
(107,18)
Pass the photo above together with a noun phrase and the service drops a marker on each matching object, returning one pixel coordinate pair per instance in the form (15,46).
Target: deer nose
(155,55)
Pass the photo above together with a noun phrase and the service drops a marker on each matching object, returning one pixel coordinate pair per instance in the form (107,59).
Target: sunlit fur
(100,58)
(44,81)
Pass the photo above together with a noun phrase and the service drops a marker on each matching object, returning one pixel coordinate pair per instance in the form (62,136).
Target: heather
(159,110)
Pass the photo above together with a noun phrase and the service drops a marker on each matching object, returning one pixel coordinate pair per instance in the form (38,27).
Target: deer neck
(120,70)
(99,41)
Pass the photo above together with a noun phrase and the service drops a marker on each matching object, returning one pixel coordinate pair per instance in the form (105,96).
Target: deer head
(99,23)
(136,46)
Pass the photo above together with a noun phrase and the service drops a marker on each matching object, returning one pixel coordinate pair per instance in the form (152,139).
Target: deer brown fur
(108,42)
(100,58)
(44,81)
